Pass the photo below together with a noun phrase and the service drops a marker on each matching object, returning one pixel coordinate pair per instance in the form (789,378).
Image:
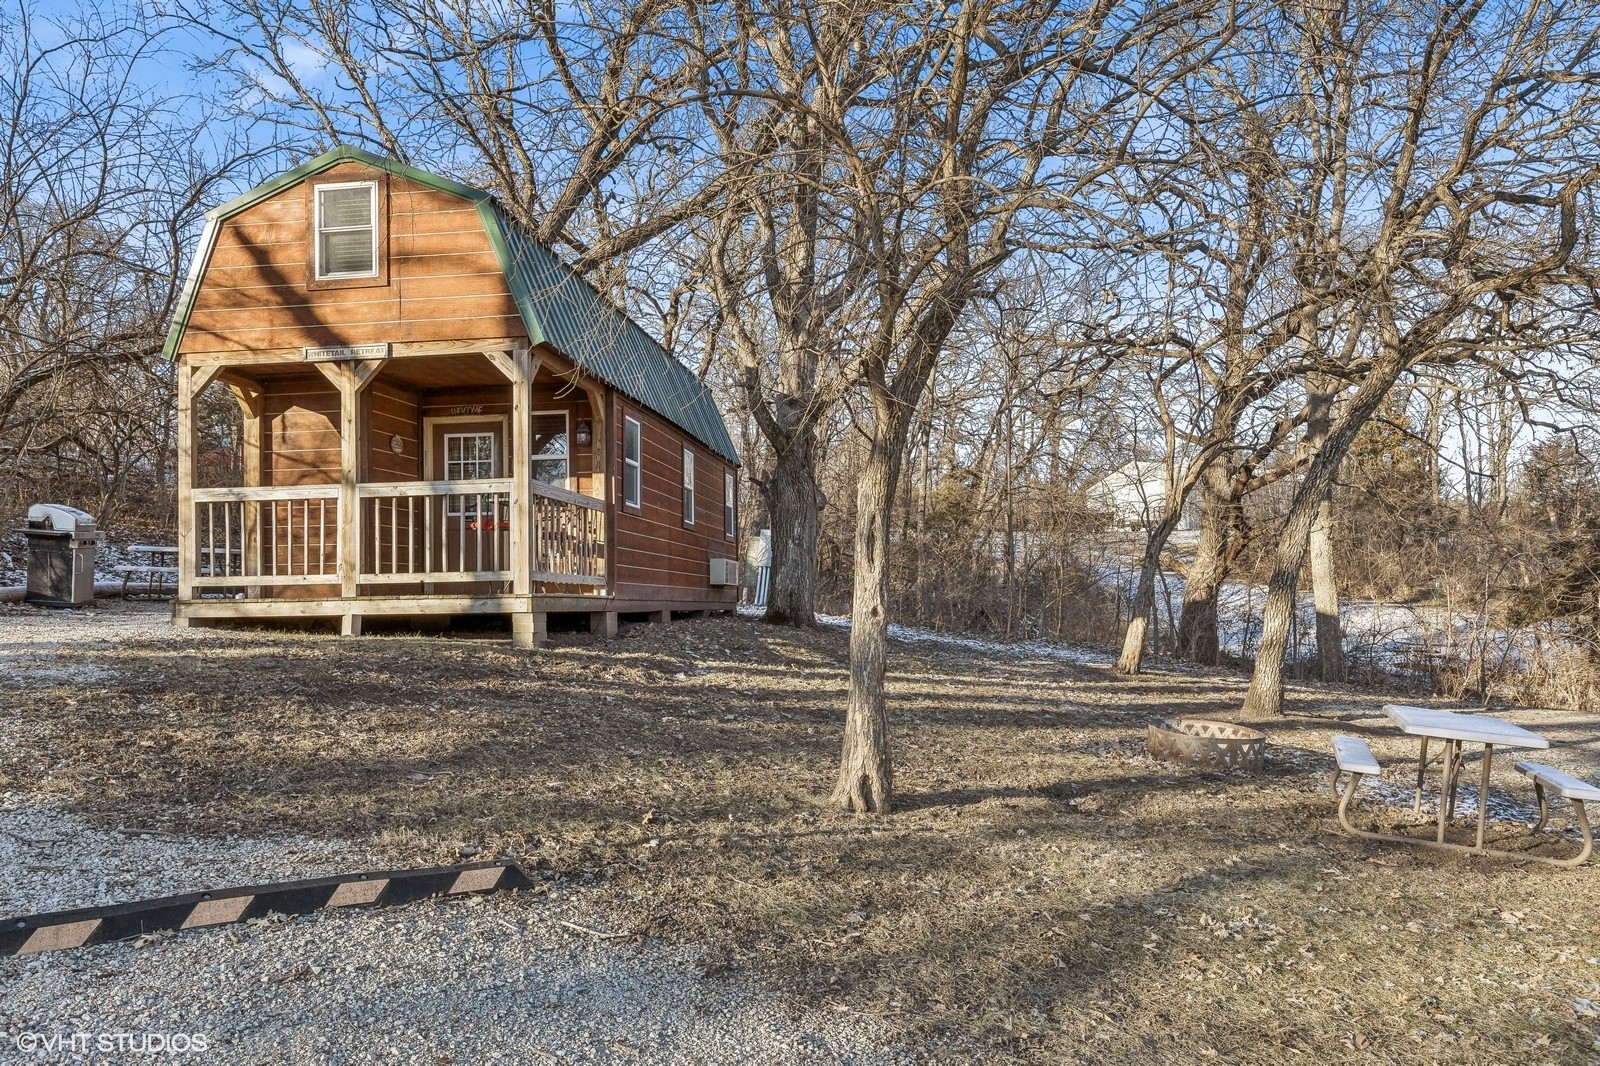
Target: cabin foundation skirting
(526,612)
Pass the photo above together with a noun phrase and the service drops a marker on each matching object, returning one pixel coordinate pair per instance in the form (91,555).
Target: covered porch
(393,480)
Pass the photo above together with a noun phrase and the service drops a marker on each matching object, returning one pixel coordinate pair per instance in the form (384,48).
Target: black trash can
(61,549)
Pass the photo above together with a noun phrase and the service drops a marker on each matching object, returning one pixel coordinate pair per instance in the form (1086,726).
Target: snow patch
(1031,649)
(1388,637)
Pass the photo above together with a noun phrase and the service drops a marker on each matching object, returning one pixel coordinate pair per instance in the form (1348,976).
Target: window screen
(347,245)
(727,505)
(552,459)
(630,462)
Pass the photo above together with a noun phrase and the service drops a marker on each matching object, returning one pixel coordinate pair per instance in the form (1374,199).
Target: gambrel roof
(557,306)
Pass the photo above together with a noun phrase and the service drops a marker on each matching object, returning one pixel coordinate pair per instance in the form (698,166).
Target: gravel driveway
(486,979)
(489,979)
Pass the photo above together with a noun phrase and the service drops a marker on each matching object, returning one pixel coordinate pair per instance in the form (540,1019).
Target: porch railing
(410,532)
(435,531)
(569,537)
(286,535)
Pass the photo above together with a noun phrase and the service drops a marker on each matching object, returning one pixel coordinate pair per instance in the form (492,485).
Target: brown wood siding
(656,556)
(392,411)
(443,280)
(300,446)
(453,403)
(300,432)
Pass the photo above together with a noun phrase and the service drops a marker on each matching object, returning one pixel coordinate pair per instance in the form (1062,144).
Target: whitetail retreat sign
(346,353)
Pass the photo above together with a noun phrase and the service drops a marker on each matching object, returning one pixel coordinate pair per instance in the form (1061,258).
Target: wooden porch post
(351,379)
(600,463)
(519,368)
(187,554)
(600,448)
(536,363)
(249,398)
(191,382)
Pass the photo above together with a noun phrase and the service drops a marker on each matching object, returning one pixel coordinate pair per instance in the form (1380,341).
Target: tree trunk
(1325,592)
(1320,392)
(794,503)
(1144,600)
(1265,698)
(866,772)
(1198,640)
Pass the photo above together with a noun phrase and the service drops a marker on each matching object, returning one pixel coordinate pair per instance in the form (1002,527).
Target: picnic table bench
(1353,756)
(159,569)
(154,571)
(1569,788)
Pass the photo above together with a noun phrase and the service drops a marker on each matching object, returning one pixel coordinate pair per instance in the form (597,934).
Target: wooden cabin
(439,418)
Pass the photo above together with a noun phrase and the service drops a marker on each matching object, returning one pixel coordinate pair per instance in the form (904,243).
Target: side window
(688,487)
(550,450)
(630,462)
(347,230)
(727,504)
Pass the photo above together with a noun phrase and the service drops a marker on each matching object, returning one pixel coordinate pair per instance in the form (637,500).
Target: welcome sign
(346,353)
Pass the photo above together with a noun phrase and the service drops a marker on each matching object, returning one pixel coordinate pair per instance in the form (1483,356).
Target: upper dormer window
(347,230)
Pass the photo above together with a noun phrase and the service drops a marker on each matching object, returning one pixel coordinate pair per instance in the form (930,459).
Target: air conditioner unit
(724,571)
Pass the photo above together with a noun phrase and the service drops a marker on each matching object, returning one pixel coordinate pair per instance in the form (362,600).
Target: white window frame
(635,461)
(566,420)
(456,504)
(728,516)
(316,251)
(688,486)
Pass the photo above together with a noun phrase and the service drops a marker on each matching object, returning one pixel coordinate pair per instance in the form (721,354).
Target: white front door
(473,530)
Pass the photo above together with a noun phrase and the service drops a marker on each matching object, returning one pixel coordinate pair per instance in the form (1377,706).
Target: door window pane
(467,457)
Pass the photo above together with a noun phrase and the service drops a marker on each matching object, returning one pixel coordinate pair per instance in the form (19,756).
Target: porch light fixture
(585,432)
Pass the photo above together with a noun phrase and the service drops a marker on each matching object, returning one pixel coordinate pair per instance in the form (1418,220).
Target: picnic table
(160,562)
(1354,757)
(1457,729)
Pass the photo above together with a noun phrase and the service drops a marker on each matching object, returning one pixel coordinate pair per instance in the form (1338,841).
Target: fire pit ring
(1206,744)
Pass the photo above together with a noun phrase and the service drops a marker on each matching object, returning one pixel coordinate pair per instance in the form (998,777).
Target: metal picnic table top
(1456,729)
(1468,728)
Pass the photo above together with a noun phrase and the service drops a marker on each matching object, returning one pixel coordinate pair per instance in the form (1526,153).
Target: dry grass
(1045,893)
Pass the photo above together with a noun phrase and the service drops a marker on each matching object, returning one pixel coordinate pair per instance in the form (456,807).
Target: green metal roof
(557,306)
(564,311)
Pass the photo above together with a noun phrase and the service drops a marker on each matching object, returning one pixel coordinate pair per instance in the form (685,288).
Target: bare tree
(785,263)
(940,152)
(1221,340)
(102,184)
(1472,159)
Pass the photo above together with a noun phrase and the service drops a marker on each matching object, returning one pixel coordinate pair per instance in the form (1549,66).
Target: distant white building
(1135,495)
